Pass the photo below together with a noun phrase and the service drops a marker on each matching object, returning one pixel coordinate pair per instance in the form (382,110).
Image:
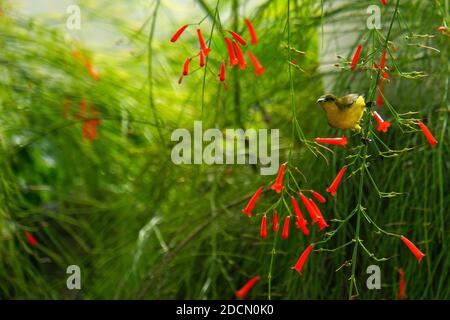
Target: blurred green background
(141,227)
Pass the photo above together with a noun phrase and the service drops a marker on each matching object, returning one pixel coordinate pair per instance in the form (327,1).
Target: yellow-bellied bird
(344,112)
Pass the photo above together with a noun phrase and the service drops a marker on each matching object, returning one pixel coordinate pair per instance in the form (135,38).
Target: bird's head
(328,98)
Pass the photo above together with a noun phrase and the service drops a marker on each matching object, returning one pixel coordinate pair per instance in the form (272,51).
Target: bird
(343,112)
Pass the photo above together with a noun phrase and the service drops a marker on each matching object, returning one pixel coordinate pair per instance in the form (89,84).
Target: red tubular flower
(92,72)
(383,59)
(385,75)
(178,33)
(380,93)
(238,38)
(320,219)
(415,251)
(202,58)
(233,60)
(318,196)
(222,72)
(427,133)
(251,30)
(248,209)
(90,125)
(337,141)
(259,69)
(301,222)
(240,56)
(241,293)
(382,125)
(203,46)
(384,2)
(30,238)
(441,29)
(285,232)
(334,185)
(312,213)
(303,257)
(356,57)
(186,67)
(402,284)
(278,185)
(263,231)
(275,222)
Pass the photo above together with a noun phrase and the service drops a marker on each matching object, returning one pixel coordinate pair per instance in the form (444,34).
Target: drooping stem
(366,134)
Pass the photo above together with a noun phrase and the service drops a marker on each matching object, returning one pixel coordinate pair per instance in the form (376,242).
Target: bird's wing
(346,101)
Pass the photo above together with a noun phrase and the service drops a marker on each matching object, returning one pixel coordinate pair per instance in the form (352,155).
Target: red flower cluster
(311,207)
(234,47)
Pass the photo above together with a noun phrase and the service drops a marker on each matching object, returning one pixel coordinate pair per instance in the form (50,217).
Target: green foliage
(141,227)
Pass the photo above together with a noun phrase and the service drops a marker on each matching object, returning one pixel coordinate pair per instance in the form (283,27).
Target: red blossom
(30,238)
(431,139)
(312,213)
(415,251)
(203,46)
(278,185)
(334,185)
(248,209)
(222,72)
(186,66)
(320,219)
(233,60)
(384,2)
(402,284)
(356,57)
(441,29)
(251,30)
(336,141)
(263,230)
(383,125)
(285,232)
(241,293)
(318,196)
(380,93)
(240,56)
(383,59)
(301,222)
(303,257)
(238,38)
(90,125)
(178,33)
(92,72)
(259,69)
(202,58)
(275,222)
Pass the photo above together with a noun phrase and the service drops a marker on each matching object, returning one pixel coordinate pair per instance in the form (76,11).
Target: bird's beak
(320,100)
